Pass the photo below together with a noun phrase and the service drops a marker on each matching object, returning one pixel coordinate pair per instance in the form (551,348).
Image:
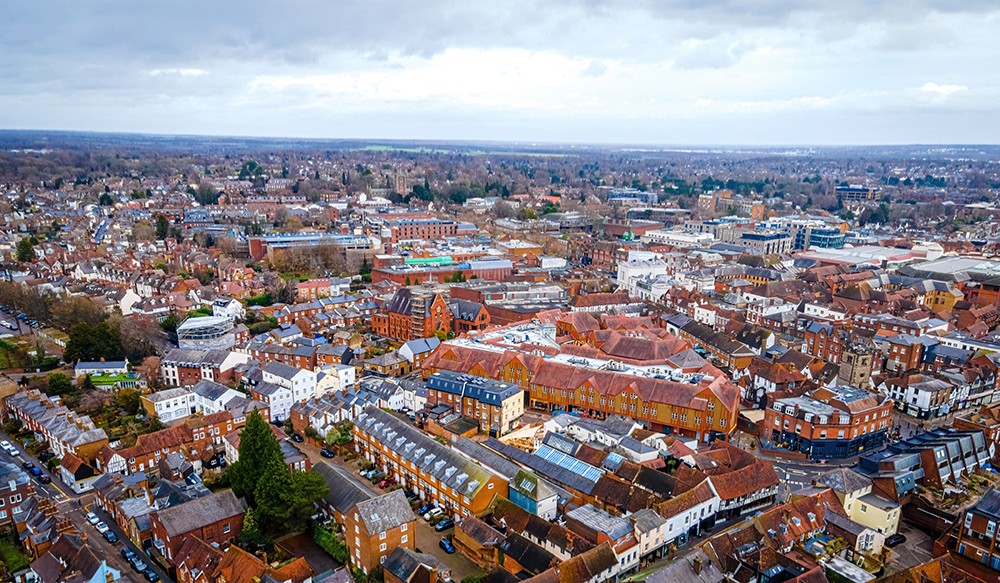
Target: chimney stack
(63,525)
(696,565)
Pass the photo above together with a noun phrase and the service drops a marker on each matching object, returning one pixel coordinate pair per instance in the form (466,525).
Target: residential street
(75,507)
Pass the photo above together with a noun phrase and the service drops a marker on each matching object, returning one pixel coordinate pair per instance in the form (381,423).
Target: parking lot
(915,551)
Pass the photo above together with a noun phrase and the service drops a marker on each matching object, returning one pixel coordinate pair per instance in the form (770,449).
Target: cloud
(942,90)
(598,70)
(174,71)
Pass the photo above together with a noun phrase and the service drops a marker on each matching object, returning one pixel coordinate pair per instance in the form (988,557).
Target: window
(226,528)
(357,541)
(381,547)
(381,535)
(403,527)
(356,529)
(404,539)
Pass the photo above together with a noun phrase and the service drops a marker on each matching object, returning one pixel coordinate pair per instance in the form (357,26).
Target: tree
(87,384)
(154,424)
(150,369)
(258,446)
(332,436)
(25,250)
(129,400)
(251,535)
(527,214)
(162,227)
(70,311)
(58,383)
(92,342)
(281,500)
(503,210)
(141,337)
(106,200)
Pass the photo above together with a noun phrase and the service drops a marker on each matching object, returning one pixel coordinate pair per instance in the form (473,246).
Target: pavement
(427,540)
(915,551)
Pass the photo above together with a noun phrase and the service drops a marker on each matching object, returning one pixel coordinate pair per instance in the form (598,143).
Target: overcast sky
(628,71)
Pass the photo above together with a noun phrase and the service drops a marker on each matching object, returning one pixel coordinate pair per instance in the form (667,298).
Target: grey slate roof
(343,493)
(403,563)
(192,515)
(484,390)
(445,464)
(280,369)
(844,480)
(646,520)
(385,512)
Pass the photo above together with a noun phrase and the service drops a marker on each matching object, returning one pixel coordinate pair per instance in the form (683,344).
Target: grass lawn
(13,557)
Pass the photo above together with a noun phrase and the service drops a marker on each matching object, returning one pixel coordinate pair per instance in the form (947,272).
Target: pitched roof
(385,512)
(343,493)
(189,516)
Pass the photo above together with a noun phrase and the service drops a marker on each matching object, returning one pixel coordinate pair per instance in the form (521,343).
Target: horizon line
(485,141)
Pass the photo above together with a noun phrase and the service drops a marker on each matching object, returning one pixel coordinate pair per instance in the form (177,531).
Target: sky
(670,72)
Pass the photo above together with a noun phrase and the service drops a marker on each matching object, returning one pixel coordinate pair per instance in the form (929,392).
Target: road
(76,506)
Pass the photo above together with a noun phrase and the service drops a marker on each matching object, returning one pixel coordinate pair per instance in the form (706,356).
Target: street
(76,507)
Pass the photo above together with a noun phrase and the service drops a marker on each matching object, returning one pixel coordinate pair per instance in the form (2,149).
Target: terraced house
(435,472)
(64,430)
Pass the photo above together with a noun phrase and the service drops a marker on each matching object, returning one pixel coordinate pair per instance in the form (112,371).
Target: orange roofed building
(667,388)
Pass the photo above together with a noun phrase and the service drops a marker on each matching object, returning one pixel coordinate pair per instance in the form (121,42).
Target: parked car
(102,527)
(35,471)
(378,475)
(138,565)
(425,509)
(411,497)
(110,536)
(895,540)
(151,576)
(433,514)
(7,447)
(46,456)
(326,453)
(44,479)
(27,465)
(447,546)
(297,438)
(386,483)
(128,554)
(92,518)
(444,525)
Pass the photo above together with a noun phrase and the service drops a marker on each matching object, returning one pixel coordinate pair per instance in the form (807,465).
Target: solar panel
(572,464)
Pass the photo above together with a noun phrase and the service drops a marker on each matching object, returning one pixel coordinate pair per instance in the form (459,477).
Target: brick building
(496,406)
(215,519)
(377,526)
(829,423)
(435,472)
(413,314)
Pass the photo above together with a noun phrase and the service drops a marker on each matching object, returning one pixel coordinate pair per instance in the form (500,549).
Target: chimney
(63,525)
(696,565)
